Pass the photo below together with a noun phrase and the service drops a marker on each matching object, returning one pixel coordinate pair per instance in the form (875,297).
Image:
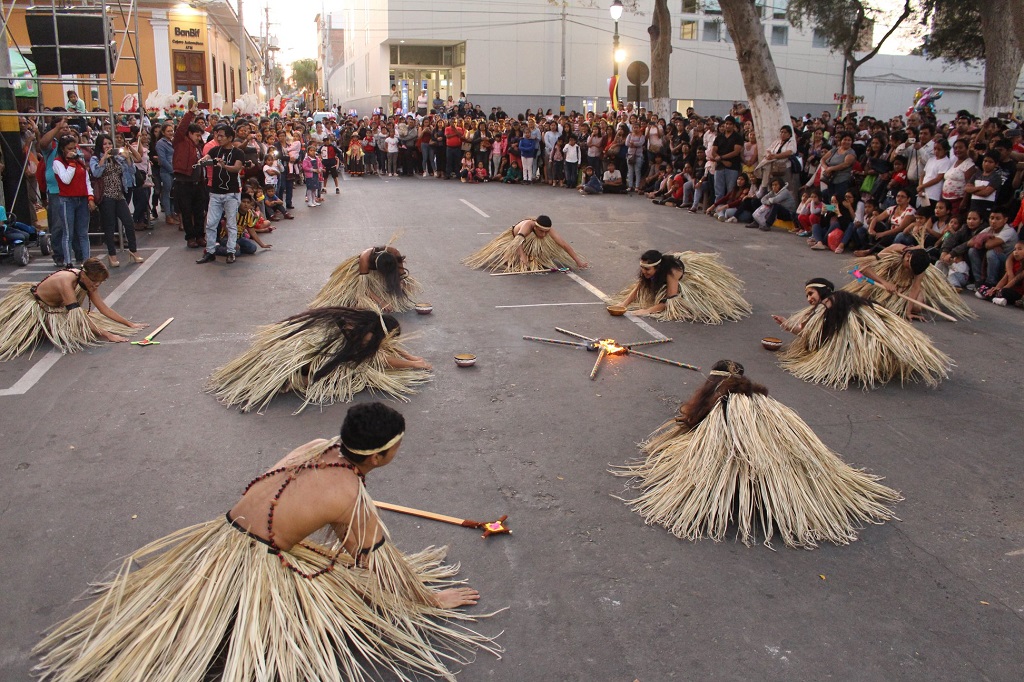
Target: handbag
(140,177)
(868,185)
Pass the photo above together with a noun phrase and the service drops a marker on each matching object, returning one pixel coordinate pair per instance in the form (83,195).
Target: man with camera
(226,162)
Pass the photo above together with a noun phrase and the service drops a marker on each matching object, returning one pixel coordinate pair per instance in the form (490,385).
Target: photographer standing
(226,162)
(76,198)
(111,166)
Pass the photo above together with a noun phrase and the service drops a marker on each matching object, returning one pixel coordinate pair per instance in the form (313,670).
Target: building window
(214,62)
(819,40)
(712,7)
(690,6)
(779,9)
(232,81)
(780,35)
(688,31)
(712,31)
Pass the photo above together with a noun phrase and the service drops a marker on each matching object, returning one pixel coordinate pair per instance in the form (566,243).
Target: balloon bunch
(924,101)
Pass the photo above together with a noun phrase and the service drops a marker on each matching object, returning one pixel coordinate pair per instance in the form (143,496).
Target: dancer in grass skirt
(250,597)
(733,456)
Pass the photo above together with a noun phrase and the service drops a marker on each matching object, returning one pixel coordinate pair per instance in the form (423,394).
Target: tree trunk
(760,79)
(1003,54)
(661,49)
(851,83)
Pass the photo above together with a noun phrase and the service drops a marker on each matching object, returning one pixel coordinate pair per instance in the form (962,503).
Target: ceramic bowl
(616,310)
(424,308)
(465,359)
(771,343)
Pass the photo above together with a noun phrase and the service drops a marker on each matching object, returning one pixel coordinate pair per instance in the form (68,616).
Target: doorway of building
(190,72)
(411,81)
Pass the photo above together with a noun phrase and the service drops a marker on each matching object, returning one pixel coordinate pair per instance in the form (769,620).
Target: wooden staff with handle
(148,341)
(488,527)
(861,277)
(665,360)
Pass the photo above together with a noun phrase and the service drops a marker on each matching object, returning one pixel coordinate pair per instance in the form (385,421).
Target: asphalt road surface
(108,449)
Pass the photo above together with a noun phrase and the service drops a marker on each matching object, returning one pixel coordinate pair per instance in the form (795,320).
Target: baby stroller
(16,239)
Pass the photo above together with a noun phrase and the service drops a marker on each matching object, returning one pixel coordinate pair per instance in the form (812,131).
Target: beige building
(181,46)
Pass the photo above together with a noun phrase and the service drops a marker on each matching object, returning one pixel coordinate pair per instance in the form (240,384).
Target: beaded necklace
(292,474)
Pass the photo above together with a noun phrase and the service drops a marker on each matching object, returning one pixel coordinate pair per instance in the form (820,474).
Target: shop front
(438,69)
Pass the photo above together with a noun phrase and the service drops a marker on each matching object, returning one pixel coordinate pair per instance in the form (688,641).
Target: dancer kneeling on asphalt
(251,592)
(531,245)
(52,309)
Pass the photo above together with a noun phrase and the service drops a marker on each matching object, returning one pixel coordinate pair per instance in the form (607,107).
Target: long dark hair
(98,149)
(726,377)
(389,266)
(840,305)
(668,263)
(361,329)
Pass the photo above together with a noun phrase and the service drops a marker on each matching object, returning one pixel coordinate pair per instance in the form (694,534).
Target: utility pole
(561,100)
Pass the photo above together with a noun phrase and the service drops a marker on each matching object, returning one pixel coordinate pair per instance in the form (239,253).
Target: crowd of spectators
(855,185)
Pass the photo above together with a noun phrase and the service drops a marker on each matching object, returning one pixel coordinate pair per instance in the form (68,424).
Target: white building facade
(510,55)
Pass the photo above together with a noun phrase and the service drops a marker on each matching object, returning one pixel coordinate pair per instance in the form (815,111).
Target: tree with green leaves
(304,75)
(967,30)
(846,25)
(760,79)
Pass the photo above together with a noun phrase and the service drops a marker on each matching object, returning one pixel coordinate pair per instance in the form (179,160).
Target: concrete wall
(513,58)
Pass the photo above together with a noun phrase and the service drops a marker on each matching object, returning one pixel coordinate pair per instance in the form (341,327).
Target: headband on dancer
(543,221)
(383,326)
(720,373)
(373,451)
(824,287)
(650,265)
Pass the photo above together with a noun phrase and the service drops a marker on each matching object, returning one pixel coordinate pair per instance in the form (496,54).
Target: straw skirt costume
(501,254)
(873,346)
(25,321)
(709,292)
(283,357)
(347,287)
(214,596)
(754,463)
(935,290)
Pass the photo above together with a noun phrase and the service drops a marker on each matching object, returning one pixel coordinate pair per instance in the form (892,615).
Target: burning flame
(610,346)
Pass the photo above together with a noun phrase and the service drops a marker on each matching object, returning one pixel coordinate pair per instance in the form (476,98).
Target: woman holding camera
(115,169)
(76,198)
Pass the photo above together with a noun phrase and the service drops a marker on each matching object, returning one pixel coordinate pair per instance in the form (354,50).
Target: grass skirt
(935,290)
(501,254)
(25,322)
(211,584)
(874,347)
(274,364)
(709,292)
(754,463)
(346,287)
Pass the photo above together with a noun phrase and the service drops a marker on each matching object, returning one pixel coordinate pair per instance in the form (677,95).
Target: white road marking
(38,370)
(474,208)
(1016,552)
(604,297)
(543,305)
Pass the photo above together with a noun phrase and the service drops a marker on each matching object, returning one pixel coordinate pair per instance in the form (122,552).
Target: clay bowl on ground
(465,359)
(771,343)
(424,308)
(616,310)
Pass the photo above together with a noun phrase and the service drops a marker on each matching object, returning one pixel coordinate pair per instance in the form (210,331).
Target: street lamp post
(616,12)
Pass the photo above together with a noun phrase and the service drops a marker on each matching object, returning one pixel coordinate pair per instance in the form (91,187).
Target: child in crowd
(611,181)
(571,151)
(481,172)
(273,205)
(466,173)
(311,171)
(591,183)
(370,154)
(557,166)
(272,169)
(248,240)
(808,213)
(513,175)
